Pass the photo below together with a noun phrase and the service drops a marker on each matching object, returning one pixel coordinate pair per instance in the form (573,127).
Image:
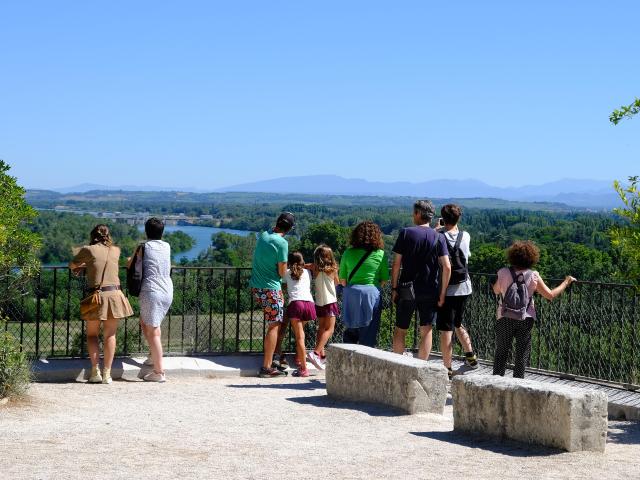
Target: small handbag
(90,305)
(406,291)
(135,272)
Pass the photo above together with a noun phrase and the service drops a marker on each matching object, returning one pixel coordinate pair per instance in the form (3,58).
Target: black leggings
(506,329)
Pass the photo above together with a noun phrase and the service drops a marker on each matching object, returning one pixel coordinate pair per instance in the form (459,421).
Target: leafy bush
(15,371)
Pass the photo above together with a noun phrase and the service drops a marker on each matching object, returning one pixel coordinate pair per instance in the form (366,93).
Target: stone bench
(363,374)
(553,415)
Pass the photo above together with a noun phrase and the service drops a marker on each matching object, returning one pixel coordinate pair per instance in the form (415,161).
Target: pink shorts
(328,310)
(301,310)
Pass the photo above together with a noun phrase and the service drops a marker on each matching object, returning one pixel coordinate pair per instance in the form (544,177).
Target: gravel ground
(249,428)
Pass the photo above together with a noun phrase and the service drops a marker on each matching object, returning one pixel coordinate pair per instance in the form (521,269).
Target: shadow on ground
(503,447)
(325,401)
(308,385)
(626,433)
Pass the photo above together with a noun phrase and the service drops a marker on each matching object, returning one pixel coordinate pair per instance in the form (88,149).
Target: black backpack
(459,270)
(135,271)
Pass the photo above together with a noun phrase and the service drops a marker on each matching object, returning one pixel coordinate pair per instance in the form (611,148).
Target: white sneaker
(96,376)
(148,362)
(315,359)
(407,354)
(155,377)
(106,376)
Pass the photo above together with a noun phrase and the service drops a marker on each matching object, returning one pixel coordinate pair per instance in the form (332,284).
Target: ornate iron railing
(590,331)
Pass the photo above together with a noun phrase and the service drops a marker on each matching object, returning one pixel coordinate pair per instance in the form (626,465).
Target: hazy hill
(582,193)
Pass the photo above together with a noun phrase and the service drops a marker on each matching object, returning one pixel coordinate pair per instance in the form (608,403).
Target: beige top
(325,289)
(94,256)
(113,303)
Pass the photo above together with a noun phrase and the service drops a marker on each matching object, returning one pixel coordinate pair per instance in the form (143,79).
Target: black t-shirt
(421,248)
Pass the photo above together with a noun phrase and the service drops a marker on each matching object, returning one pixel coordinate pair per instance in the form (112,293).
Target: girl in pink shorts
(325,271)
(300,308)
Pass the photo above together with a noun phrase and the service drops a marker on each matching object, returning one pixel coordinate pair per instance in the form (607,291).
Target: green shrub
(15,370)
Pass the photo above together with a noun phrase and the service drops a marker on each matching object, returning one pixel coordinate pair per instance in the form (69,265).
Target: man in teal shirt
(269,266)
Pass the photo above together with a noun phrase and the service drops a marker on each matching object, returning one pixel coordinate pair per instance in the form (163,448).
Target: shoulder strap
(359,264)
(514,276)
(458,239)
(104,270)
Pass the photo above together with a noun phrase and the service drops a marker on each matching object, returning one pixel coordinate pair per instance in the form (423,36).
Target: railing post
(237,310)
(168,348)
(195,340)
(224,310)
(68,311)
(53,310)
(38,312)
(251,308)
(209,290)
(184,290)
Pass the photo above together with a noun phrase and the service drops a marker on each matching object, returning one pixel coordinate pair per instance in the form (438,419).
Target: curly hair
(324,260)
(295,261)
(100,234)
(367,235)
(523,254)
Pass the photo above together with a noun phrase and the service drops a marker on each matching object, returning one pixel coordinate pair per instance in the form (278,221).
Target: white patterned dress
(156,294)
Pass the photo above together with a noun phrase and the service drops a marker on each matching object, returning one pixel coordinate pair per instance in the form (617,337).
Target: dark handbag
(90,305)
(406,292)
(135,272)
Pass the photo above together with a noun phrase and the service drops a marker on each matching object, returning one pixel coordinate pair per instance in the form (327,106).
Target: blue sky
(208,94)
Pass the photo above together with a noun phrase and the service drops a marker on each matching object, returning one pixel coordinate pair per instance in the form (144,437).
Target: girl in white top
(325,269)
(300,308)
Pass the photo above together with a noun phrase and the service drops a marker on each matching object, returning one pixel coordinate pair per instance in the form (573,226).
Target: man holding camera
(421,252)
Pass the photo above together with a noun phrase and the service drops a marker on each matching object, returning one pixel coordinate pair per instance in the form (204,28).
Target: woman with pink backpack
(516,286)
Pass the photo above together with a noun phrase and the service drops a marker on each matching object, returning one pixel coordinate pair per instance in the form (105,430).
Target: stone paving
(246,428)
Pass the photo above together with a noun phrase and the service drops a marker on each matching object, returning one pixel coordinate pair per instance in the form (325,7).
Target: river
(202,236)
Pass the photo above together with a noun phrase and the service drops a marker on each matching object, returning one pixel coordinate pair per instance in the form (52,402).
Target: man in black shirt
(422,252)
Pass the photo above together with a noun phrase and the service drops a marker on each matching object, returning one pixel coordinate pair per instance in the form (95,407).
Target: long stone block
(364,374)
(552,415)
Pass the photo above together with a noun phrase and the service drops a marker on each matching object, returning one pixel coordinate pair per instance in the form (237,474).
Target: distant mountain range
(92,187)
(597,194)
(578,193)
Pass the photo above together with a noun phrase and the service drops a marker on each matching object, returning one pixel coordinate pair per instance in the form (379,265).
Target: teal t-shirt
(374,269)
(271,249)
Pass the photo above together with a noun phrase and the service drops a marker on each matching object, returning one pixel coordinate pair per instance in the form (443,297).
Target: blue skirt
(359,305)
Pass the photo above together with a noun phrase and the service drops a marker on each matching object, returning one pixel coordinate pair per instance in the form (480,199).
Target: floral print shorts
(272,303)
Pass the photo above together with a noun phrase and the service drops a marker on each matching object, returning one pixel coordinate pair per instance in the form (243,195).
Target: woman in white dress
(156,293)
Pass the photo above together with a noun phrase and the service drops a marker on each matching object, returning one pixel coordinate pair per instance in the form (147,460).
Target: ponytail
(296,265)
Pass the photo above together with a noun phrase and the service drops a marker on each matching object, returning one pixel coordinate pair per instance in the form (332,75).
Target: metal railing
(590,331)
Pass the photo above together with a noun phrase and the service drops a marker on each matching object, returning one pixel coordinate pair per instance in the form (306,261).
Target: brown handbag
(90,305)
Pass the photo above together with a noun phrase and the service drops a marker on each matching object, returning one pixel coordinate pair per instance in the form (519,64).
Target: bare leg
(270,340)
(464,338)
(93,346)
(326,326)
(282,331)
(426,341)
(298,331)
(446,347)
(155,345)
(399,339)
(109,329)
